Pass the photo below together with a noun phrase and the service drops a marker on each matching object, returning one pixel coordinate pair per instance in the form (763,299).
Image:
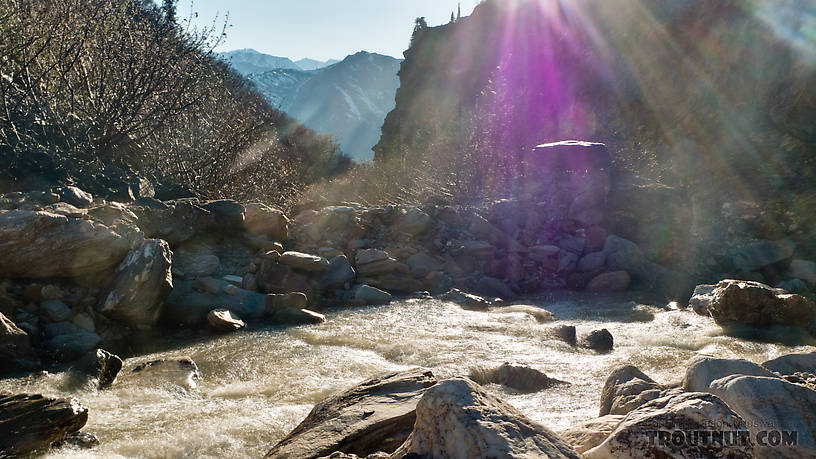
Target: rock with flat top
(304,261)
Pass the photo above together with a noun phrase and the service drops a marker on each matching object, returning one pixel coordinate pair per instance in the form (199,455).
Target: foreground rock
(376,415)
(773,406)
(43,245)
(731,302)
(648,431)
(626,389)
(458,419)
(31,422)
(519,377)
(592,433)
(143,282)
(702,371)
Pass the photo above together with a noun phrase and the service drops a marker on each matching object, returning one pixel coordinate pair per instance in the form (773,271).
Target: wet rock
(466,300)
(338,273)
(702,298)
(592,433)
(223,320)
(410,220)
(772,404)
(755,304)
(376,415)
(304,261)
(626,389)
(367,294)
(262,220)
(143,282)
(75,197)
(55,311)
(793,363)
(515,376)
(599,341)
(80,440)
(42,245)
(760,254)
(178,371)
(295,316)
(458,419)
(565,333)
(98,369)
(703,370)
(616,281)
(636,435)
(31,422)
(15,348)
(539,314)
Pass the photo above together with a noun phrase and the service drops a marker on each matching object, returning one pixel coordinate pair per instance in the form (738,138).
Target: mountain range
(348,99)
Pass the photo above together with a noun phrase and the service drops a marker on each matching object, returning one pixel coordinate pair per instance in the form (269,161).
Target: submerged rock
(31,422)
(466,300)
(376,415)
(458,419)
(643,432)
(177,371)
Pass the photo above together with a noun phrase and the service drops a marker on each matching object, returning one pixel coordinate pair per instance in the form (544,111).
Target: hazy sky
(322,29)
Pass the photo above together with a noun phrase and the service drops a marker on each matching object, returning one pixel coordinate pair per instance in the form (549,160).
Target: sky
(321,29)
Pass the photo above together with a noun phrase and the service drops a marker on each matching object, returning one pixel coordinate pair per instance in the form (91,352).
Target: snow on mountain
(348,100)
(249,62)
(312,64)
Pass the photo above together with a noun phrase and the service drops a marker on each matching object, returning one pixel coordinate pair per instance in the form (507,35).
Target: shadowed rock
(31,422)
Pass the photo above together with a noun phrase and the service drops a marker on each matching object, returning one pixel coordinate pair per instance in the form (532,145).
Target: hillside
(348,100)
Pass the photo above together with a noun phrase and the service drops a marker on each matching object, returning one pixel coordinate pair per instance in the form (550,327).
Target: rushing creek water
(259,384)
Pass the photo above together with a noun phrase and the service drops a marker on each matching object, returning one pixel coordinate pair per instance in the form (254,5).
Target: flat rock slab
(376,415)
(31,422)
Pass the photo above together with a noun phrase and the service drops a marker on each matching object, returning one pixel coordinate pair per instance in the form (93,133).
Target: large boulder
(174,372)
(793,363)
(98,369)
(262,220)
(775,410)
(589,434)
(703,370)
(759,254)
(274,277)
(367,294)
(753,303)
(668,427)
(338,273)
(31,422)
(15,348)
(376,415)
(458,419)
(43,245)
(627,388)
(189,306)
(142,283)
(71,346)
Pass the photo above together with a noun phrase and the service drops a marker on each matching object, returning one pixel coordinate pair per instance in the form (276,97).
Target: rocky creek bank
(80,272)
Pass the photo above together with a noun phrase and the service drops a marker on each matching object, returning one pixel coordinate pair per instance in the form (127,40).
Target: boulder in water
(599,341)
(98,368)
(626,389)
(519,377)
(755,304)
(367,294)
(376,415)
(666,428)
(177,371)
(31,422)
(458,419)
(466,300)
(223,320)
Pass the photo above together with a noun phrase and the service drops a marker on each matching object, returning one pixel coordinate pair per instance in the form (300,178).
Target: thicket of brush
(94,92)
